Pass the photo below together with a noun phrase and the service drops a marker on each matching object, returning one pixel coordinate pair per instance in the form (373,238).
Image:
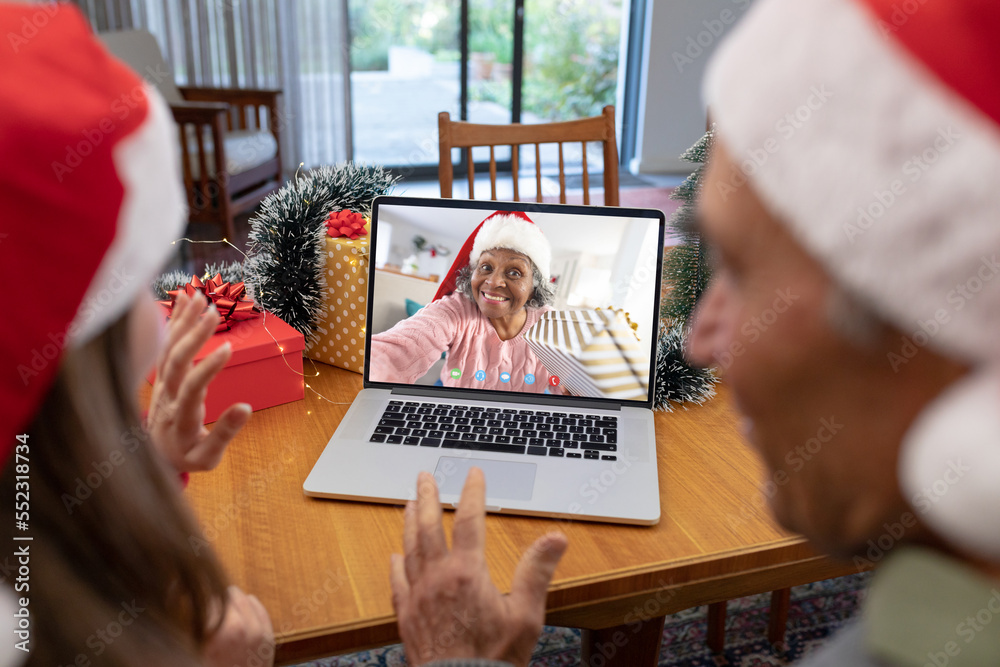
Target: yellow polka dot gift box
(340,332)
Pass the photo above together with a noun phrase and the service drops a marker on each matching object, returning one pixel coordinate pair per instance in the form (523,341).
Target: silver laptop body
(601,256)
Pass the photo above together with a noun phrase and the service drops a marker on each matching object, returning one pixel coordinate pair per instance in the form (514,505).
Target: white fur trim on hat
(950,464)
(888,177)
(152,215)
(513,233)
(881,172)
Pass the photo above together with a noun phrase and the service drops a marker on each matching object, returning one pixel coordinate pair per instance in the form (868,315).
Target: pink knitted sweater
(454,325)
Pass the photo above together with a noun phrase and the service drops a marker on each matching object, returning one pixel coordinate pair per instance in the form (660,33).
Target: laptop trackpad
(504,479)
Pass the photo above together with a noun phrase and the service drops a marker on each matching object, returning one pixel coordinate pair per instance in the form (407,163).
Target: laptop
(560,421)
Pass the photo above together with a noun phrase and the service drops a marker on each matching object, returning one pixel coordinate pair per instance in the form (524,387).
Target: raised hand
(445,600)
(245,638)
(177,409)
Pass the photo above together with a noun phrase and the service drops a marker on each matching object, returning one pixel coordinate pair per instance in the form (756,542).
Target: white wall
(680,37)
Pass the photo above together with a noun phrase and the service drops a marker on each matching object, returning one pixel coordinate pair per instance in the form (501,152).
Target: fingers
(191,393)
(193,336)
(246,635)
(470,519)
(174,332)
(262,617)
(251,613)
(431,544)
(208,451)
(399,583)
(216,611)
(534,572)
(411,558)
(183,316)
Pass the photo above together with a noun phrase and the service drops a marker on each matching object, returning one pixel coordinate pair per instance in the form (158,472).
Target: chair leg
(716,637)
(226,211)
(780,603)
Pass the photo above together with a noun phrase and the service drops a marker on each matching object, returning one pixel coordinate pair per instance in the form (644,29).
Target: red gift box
(265,369)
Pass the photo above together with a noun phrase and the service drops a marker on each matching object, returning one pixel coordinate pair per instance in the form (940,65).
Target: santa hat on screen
(90,197)
(513,230)
(872,129)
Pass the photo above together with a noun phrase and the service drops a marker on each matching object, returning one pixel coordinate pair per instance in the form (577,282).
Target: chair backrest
(460,134)
(139,50)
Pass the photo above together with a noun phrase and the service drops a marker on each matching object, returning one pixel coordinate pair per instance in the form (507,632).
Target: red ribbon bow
(229,298)
(348,224)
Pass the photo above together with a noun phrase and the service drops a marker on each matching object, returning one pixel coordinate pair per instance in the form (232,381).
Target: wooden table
(321,567)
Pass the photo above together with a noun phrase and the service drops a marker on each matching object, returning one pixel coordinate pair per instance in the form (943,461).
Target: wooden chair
(460,134)
(229,138)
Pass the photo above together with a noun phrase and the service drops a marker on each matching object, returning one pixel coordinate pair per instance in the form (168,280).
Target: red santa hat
(89,191)
(512,230)
(872,129)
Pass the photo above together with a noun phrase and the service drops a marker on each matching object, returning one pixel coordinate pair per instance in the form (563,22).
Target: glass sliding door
(486,61)
(570,68)
(404,70)
(570,58)
(490,71)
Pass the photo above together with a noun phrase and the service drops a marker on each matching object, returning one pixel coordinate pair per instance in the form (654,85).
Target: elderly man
(856,160)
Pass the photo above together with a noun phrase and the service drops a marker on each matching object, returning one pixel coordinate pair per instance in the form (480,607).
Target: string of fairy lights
(280,347)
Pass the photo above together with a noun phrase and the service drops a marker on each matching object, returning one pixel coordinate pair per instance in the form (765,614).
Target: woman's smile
(502,283)
(493,296)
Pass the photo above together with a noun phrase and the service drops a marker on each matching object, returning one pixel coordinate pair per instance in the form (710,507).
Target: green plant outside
(571,47)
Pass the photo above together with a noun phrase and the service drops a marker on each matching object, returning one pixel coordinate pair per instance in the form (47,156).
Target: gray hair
(541,295)
(853,320)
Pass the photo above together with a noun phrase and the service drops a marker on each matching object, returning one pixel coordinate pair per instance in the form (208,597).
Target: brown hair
(112,576)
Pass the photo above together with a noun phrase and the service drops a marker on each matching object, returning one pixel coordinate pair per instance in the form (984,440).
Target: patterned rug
(817,610)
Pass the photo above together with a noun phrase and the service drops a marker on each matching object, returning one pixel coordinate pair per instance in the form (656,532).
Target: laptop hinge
(549,399)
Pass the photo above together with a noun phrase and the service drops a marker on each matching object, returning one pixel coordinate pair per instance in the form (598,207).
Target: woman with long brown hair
(98,564)
(99,567)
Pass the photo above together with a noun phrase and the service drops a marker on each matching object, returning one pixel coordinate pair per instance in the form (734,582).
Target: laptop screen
(499,297)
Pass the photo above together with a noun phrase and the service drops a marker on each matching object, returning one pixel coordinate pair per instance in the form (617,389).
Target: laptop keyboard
(505,430)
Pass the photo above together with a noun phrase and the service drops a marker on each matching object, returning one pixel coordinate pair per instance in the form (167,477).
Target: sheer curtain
(299,46)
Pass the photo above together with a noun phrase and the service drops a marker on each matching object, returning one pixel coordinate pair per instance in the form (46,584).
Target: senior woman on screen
(496,290)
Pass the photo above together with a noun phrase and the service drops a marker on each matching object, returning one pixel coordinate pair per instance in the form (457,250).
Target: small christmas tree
(685,276)
(685,267)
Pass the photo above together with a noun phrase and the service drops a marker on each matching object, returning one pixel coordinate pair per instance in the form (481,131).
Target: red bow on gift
(348,224)
(229,298)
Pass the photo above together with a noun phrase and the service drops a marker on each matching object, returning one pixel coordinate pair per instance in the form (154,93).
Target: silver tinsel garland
(284,270)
